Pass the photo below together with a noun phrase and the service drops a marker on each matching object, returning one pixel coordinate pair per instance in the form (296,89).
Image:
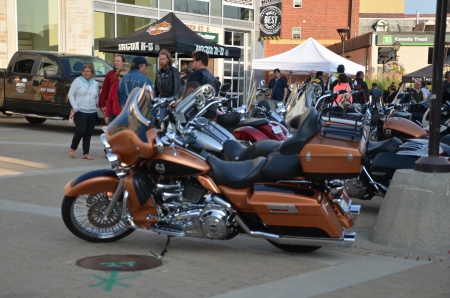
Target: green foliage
(382,81)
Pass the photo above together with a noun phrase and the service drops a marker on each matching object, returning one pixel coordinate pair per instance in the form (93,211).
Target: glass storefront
(235,69)
(37,25)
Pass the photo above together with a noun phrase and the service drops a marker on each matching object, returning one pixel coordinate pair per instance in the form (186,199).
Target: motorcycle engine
(355,188)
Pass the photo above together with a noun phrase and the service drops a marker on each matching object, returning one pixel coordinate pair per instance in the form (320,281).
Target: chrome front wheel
(84,217)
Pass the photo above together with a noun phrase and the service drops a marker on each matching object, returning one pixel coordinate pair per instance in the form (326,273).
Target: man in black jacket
(167,82)
(446,87)
(362,96)
(332,80)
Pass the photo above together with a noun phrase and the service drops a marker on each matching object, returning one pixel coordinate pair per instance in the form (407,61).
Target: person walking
(167,82)
(113,108)
(110,79)
(83,96)
(279,89)
(136,77)
(376,94)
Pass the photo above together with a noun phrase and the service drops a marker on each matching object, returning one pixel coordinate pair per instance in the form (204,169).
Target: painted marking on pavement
(30,208)
(111,281)
(53,171)
(353,271)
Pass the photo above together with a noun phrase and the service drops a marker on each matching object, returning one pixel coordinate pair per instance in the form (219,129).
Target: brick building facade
(318,19)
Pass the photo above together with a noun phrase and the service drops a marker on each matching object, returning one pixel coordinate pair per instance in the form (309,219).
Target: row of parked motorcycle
(286,176)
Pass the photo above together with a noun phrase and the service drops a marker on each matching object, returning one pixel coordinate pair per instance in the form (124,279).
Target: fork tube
(114,199)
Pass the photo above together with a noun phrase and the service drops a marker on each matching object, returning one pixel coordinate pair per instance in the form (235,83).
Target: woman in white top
(83,96)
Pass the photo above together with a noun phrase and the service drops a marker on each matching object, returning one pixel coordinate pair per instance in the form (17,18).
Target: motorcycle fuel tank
(212,136)
(402,129)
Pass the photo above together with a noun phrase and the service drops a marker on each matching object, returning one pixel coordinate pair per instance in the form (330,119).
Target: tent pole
(290,77)
(239,80)
(176,59)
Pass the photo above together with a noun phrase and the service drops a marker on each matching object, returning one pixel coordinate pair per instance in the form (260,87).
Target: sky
(412,6)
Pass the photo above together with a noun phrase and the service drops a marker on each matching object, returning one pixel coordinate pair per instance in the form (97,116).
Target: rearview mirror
(401,96)
(225,88)
(262,83)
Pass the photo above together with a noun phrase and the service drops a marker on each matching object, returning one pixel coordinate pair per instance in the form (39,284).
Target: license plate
(277,130)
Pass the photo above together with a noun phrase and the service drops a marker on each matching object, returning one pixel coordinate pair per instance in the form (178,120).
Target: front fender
(92,182)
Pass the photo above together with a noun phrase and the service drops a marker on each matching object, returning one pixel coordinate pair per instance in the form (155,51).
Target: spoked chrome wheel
(84,217)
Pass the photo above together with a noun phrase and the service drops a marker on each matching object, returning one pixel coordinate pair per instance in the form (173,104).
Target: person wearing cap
(319,80)
(136,77)
(333,80)
(279,89)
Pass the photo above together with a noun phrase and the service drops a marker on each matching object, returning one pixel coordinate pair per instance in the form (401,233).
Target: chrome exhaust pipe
(354,209)
(346,239)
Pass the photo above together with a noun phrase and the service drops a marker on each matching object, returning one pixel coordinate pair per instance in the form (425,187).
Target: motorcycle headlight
(113,160)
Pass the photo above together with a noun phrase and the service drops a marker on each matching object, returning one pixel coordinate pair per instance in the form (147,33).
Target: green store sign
(407,39)
(211,37)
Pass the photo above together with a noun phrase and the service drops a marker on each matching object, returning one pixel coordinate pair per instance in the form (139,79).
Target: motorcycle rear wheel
(295,248)
(83,216)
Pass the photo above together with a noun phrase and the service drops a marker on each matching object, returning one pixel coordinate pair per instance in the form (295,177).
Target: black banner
(270,19)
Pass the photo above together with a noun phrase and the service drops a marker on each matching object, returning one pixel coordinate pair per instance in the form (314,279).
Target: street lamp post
(396,46)
(384,58)
(343,32)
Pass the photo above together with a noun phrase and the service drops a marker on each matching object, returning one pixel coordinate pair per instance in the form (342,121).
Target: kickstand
(164,250)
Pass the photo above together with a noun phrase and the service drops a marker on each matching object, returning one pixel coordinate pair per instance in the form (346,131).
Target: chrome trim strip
(346,240)
(33,115)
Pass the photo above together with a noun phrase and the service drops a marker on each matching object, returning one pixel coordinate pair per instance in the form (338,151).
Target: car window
(47,63)
(74,65)
(24,64)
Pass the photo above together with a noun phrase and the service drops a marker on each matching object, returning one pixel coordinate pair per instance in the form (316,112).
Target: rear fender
(92,182)
(248,133)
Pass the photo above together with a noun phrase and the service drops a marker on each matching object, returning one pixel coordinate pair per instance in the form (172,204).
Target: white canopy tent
(306,56)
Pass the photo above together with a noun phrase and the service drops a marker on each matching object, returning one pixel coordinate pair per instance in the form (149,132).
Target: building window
(238,13)
(146,3)
(37,25)
(192,6)
(297,3)
(104,25)
(296,33)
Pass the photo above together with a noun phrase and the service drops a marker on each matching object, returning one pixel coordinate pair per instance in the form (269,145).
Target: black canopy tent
(421,75)
(167,33)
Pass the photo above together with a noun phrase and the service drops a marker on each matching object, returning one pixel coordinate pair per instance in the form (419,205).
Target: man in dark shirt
(362,96)
(389,95)
(377,94)
(446,87)
(279,89)
(201,74)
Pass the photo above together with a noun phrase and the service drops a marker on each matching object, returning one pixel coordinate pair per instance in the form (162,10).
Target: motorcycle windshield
(135,116)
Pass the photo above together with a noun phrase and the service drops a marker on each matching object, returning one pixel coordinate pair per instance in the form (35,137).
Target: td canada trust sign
(407,39)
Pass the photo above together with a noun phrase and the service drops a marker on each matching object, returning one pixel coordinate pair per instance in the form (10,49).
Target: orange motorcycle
(169,184)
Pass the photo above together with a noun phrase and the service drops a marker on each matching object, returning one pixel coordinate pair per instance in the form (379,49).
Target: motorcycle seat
(308,126)
(390,145)
(236,174)
(253,122)
(233,150)
(282,167)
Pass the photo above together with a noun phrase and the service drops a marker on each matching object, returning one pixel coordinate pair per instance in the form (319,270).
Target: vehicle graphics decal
(20,87)
(48,90)
(17,79)
(159,28)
